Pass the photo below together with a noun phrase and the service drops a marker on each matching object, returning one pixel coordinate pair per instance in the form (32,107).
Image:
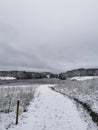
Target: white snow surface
(7,78)
(51,111)
(82,78)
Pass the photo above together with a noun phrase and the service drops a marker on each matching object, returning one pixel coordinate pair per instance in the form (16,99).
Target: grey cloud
(12,56)
(54,35)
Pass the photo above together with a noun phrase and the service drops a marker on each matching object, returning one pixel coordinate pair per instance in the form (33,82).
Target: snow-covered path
(51,111)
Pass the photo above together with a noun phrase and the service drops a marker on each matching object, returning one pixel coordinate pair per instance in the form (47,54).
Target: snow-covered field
(47,109)
(10,94)
(82,78)
(83,88)
(7,78)
(51,111)
(8,100)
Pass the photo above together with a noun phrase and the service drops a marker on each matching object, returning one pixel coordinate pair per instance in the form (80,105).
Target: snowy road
(51,111)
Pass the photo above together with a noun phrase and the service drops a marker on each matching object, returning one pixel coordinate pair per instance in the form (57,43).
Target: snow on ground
(85,91)
(51,111)
(82,78)
(7,78)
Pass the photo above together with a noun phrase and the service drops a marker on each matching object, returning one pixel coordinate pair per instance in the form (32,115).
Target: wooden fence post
(17,111)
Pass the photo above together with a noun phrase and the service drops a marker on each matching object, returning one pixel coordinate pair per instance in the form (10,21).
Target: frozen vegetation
(42,108)
(52,111)
(9,94)
(84,89)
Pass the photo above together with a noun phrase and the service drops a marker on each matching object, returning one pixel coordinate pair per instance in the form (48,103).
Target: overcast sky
(48,35)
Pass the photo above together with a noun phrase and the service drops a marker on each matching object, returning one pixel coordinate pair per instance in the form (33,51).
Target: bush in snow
(10,94)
